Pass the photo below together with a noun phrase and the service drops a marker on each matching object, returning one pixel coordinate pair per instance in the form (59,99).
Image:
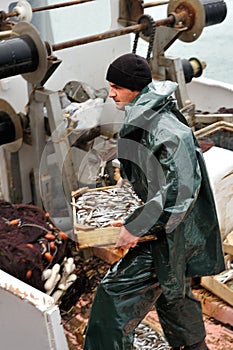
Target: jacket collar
(150,101)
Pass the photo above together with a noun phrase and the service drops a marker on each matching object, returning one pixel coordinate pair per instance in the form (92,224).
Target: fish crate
(228,244)
(220,289)
(117,204)
(222,284)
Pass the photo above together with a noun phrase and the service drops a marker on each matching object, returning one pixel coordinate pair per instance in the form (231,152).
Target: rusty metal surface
(155,3)
(48,7)
(129,12)
(59,5)
(98,37)
(187,12)
(111,34)
(181,14)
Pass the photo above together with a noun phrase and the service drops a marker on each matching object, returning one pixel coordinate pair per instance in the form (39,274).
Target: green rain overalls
(164,164)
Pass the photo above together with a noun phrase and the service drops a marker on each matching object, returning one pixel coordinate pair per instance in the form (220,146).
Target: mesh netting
(29,242)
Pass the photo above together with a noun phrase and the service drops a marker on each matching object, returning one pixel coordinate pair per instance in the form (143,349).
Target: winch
(24,52)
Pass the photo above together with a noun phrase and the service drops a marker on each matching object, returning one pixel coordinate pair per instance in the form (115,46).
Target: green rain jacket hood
(163,161)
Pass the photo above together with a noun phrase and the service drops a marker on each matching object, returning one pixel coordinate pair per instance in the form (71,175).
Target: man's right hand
(125,240)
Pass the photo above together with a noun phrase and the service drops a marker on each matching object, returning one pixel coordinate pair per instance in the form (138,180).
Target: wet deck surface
(219,334)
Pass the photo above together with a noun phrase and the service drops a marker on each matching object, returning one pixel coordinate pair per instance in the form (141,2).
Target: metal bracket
(129,12)
(169,67)
(42,148)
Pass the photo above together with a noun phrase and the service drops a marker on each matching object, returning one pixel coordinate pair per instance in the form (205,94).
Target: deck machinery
(43,158)
(23,52)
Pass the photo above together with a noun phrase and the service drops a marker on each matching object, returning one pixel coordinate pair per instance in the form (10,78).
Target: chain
(135,43)
(151,42)
(152,27)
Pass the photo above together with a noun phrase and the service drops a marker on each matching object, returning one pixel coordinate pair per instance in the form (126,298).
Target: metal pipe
(48,7)
(155,3)
(97,37)
(110,34)
(55,6)
(210,129)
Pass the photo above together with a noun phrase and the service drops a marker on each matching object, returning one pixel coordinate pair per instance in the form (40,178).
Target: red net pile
(29,242)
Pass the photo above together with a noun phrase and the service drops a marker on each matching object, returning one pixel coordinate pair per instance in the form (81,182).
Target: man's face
(121,95)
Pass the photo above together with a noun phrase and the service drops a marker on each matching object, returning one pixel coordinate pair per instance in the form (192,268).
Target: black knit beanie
(130,71)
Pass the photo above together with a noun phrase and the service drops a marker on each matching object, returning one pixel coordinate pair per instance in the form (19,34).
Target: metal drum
(215,11)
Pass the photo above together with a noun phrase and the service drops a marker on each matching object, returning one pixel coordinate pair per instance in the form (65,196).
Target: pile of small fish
(146,338)
(225,277)
(96,208)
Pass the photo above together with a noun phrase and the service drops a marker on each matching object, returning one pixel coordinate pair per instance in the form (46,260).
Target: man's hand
(126,240)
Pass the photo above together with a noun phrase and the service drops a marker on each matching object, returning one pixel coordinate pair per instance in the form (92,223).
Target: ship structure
(58,136)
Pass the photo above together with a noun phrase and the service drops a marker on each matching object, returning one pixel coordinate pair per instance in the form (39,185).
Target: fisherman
(163,162)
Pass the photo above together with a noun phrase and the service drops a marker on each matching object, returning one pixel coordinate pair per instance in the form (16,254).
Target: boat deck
(218,336)
(218,316)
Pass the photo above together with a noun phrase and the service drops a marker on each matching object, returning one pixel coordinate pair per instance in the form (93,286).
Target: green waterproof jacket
(163,161)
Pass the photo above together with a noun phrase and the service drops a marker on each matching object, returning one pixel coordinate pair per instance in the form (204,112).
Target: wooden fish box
(220,289)
(88,236)
(228,248)
(212,283)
